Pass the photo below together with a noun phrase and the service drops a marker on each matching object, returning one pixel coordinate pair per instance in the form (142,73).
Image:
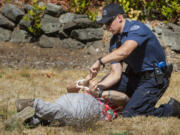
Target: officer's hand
(95,69)
(93,85)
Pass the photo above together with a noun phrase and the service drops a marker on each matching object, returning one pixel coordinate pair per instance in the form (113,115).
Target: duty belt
(145,75)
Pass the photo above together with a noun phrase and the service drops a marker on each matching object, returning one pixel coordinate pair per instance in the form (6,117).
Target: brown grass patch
(50,84)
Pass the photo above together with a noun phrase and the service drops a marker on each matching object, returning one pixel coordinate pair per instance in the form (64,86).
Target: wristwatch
(100,61)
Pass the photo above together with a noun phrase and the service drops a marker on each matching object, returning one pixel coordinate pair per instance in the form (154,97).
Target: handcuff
(99,90)
(81,87)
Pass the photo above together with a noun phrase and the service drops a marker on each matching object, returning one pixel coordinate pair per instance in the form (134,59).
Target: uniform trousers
(144,95)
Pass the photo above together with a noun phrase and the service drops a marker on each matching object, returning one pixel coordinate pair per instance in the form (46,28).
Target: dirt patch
(32,56)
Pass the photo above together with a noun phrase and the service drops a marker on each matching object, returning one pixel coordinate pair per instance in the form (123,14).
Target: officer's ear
(120,18)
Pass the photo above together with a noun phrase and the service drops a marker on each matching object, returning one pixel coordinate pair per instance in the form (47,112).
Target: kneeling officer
(147,75)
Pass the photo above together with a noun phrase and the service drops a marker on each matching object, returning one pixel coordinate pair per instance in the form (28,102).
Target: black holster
(160,74)
(168,70)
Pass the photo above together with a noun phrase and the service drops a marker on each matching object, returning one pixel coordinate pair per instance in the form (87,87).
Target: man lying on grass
(83,105)
(112,101)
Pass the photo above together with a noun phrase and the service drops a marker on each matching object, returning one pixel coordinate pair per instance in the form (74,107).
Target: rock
(5,23)
(48,42)
(50,25)
(178,21)
(172,39)
(86,22)
(72,44)
(41,4)
(174,27)
(79,23)
(162,43)
(95,47)
(27,7)
(62,34)
(68,27)
(149,26)
(54,10)
(12,12)
(92,50)
(20,36)
(165,30)
(87,35)
(97,44)
(69,17)
(157,30)
(5,35)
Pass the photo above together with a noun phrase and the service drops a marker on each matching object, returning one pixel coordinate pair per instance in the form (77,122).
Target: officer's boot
(23,103)
(176,107)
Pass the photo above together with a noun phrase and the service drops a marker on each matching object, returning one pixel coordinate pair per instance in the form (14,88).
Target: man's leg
(144,99)
(44,111)
(48,111)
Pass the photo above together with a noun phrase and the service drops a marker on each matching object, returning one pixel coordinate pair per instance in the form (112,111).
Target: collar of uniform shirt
(126,26)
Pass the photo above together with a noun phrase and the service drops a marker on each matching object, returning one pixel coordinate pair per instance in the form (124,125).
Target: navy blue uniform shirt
(149,50)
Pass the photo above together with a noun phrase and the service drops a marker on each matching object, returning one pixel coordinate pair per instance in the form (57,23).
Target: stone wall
(69,29)
(59,28)
(168,35)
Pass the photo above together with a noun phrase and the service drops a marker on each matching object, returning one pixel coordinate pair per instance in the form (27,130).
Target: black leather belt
(144,75)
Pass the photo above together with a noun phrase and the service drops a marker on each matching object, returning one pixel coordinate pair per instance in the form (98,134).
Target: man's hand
(95,69)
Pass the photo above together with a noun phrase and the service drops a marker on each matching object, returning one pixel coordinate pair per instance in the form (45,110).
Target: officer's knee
(126,114)
(129,113)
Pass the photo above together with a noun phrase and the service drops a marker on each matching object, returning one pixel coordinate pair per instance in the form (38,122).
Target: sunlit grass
(50,84)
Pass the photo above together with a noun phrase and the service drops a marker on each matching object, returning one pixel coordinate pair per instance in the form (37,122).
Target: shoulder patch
(134,27)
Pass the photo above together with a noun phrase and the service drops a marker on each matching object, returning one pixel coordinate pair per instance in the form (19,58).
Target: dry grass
(50,84)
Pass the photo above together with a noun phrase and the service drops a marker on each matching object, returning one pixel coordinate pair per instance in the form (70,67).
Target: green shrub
(170,10)
(139,9)
(92,15)
(8,1)
(83,7)
(34,16)
(80,6)
(154,9)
